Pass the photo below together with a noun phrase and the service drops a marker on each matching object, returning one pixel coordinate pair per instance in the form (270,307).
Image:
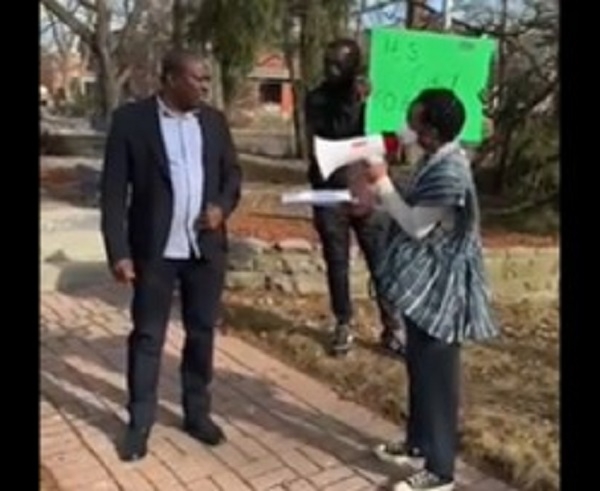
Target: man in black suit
(170,180)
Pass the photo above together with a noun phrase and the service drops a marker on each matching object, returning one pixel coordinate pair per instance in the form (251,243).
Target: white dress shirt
(182,137)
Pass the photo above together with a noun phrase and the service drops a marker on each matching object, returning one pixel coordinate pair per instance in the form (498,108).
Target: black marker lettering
(412,53)
(391,45)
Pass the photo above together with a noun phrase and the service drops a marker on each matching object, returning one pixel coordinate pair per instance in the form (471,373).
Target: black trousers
(333,224)
(433,396)
(201,285)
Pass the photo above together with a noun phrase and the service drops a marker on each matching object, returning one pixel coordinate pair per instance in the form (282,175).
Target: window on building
(89,88)
(270,92)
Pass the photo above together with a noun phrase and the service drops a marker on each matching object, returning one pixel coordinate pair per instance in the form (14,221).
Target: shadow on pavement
(239,398)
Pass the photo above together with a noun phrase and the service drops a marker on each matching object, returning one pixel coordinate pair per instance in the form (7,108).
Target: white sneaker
(397,452)
(424,481)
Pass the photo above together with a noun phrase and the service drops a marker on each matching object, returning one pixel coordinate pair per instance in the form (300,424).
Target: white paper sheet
(319,197)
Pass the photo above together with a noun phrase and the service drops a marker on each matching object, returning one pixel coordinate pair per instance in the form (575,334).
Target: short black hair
(174,60)
(351,45)
(443,110)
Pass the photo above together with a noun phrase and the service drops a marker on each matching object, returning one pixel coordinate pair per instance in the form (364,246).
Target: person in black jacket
(170,181)
(335,109)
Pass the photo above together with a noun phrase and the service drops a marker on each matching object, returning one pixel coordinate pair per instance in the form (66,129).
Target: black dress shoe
(206,431)
(135,444)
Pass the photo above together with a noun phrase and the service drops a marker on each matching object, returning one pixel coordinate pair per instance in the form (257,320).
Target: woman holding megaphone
(431,274)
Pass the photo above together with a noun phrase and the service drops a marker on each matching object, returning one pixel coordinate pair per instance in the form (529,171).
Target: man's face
(340,65)
(191,85)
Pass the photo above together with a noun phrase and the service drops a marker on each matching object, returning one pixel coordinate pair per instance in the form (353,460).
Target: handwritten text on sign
(404,62)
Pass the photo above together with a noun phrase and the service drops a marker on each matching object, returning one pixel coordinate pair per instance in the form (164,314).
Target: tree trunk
(178,20)
(109,88)
(290,53)
(310,56)
(416,14)
(311,45)
(299,122)
(299,144)
(65,72)
(108,84)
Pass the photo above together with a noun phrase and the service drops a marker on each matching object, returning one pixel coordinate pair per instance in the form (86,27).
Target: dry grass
(510,420)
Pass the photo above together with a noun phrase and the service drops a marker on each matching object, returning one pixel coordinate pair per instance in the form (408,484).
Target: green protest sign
(404,62)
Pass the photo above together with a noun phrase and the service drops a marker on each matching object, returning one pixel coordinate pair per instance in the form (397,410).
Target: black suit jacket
(136,192)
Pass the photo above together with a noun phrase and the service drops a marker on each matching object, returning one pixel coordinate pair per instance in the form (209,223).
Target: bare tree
(290,22)
(146,49)
(235,30)
(62,43)
(107,47)
(521,155)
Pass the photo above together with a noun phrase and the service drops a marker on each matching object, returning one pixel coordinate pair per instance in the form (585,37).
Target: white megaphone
(332,155)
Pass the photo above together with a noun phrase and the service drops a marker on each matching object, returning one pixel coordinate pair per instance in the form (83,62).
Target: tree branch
(70,20)
(123,75)
(531,58)
(88,5)
(132,22)
(63,45)
(45,29)
(127,7)
(513,114)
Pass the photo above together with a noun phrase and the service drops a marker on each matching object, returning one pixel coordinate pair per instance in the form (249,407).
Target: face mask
(408,136)
(336,71)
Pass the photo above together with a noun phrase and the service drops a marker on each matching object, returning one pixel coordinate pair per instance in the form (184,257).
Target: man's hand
(212,218)
(123,271)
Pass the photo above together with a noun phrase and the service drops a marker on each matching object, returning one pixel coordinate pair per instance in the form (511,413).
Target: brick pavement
(286,431)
